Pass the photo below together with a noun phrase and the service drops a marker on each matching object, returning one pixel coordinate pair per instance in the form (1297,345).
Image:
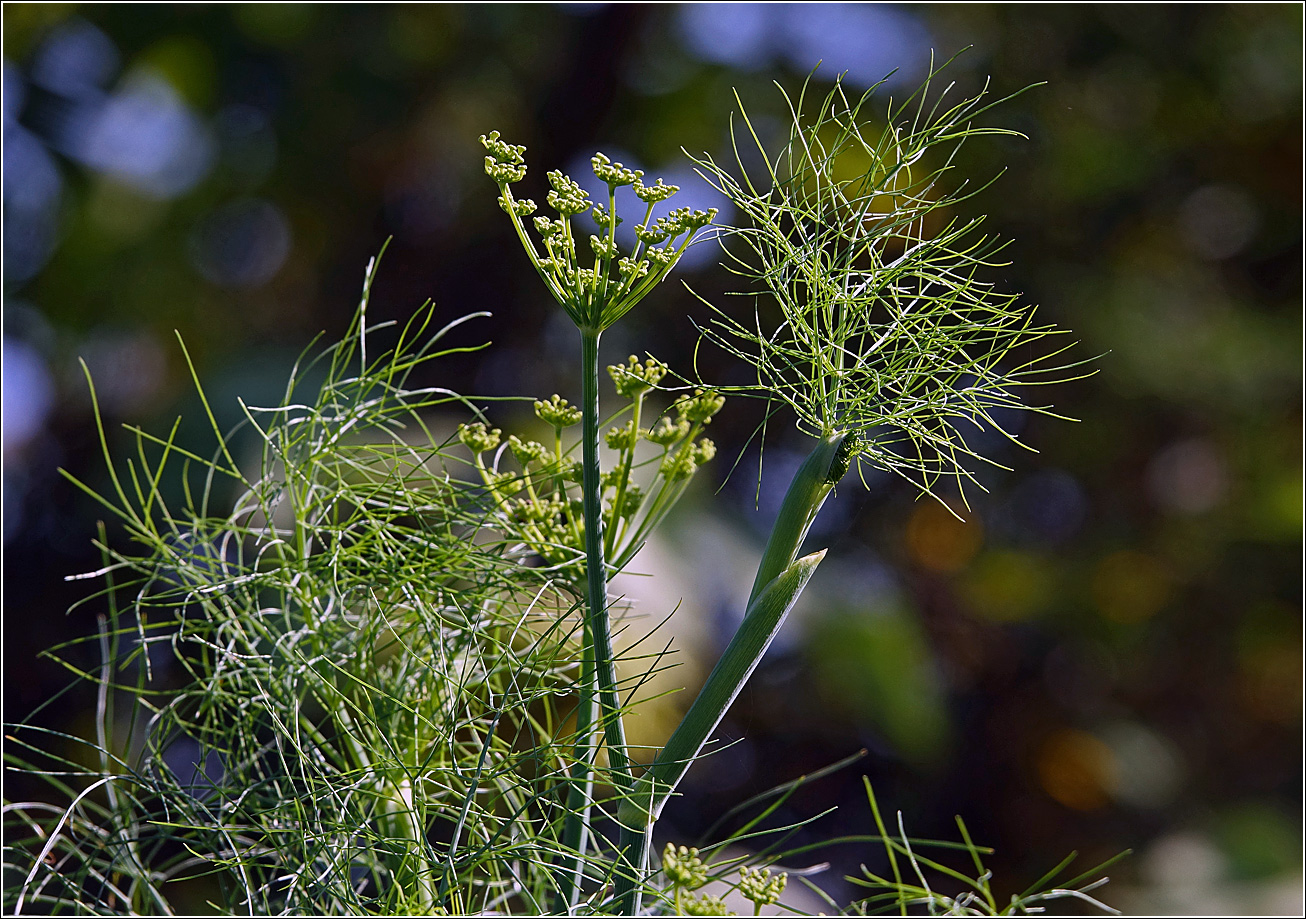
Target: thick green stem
(596,575)
(580,794)
(781,577)
(596,578)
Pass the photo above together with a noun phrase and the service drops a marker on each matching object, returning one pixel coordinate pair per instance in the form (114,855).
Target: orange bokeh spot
(939,541)
(1077,769)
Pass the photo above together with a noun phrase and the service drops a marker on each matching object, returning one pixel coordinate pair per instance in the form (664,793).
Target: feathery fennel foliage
(361,667)
(370,669)
(888,327)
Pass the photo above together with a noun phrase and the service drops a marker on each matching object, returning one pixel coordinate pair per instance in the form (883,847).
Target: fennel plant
(373,672)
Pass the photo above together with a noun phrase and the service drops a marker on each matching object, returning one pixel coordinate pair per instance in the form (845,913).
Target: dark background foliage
(1107,654)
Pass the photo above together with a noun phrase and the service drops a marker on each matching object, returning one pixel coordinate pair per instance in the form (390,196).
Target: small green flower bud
(477,438)
(652,194)
(634,378)
(573,472)
(683,868)
(614,174)
(622,438)
(526,451)
(557,411)
(757,885)
(666,432)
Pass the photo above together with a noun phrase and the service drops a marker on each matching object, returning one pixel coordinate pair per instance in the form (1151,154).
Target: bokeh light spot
(737,34)
(28,395)
(1049,507)
(1270,682)
(868,42)
(1077,769)
(1008,586)
(1130,586)
(75,60)
(939,541)
(1188,477)
(1150,767)
(1218,221)
(242,244)
(146,135)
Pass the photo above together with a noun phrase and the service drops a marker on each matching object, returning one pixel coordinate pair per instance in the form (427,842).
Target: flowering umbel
(598,294)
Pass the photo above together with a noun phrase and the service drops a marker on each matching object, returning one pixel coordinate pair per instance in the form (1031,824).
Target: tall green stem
(580,794)
(596,577)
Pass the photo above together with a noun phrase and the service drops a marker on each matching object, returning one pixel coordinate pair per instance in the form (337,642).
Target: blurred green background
(1107,654)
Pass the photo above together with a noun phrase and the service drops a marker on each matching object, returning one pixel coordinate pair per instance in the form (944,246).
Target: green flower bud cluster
(538,510)
(683,463)
(699,408)
(688,220)
(635,378)
(477,438)
(533,504)
(614,174)
(557,411)
(526,451)
(622,438)
(683,868)
(604,248)
(539,505)
(631,501)
(567,197)
(595,296)
(685,872)
(654,194)
(604,217)
(667,432)
(704,905)
(505,484)
(630,270)
(522,208)
(681,220)
(758,885)
(506,163)
(551,230)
